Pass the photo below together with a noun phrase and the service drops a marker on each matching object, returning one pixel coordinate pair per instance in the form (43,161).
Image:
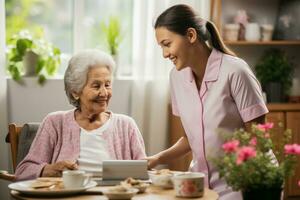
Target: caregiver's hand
(57,168)
(153,160)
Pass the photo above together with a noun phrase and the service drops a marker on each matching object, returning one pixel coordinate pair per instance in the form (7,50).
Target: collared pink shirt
(229,96)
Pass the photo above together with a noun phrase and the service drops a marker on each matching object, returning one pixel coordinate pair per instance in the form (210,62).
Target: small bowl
(161,180)
(120,195)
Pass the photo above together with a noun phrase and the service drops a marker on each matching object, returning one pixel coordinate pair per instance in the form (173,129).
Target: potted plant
(112,31)
(275,72)
(248,155)
(31,56)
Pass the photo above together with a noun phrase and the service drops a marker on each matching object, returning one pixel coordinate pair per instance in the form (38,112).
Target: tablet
(115,171)
(122,169)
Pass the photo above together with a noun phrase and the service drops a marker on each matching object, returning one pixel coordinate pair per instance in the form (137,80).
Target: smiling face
(174,46)
(97,91)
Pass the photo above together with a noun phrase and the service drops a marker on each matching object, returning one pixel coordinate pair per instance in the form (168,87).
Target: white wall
(31,102)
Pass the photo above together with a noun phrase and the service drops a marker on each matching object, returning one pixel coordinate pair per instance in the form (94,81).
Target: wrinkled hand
(56,169)
(153,161)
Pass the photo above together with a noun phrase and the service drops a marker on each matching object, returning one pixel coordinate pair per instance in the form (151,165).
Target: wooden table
(152,193)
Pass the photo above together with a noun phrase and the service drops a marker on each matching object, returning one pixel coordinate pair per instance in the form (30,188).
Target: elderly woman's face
(97,91)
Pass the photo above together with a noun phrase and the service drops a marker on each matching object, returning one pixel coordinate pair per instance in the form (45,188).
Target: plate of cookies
(47,186)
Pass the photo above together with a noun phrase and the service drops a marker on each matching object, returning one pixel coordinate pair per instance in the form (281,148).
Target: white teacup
(75,179)
(189,185)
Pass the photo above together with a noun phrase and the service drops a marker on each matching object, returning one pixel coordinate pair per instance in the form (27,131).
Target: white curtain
(150,95)
(4,156)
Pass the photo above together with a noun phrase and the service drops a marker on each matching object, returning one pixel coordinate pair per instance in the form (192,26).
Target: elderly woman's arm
(38,160)
(137,142)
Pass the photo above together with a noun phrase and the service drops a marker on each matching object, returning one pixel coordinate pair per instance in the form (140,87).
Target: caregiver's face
(174,46)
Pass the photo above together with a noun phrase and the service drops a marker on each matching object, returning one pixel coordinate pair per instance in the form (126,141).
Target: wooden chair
(13,137)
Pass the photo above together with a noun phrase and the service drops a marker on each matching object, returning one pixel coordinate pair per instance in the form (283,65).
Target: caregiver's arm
(180,148)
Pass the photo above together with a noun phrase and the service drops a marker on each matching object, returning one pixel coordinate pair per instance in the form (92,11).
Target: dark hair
(180,17)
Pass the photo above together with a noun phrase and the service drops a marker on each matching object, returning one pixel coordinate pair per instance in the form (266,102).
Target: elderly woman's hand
(57,168)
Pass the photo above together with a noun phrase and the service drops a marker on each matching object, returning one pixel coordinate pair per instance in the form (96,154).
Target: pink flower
(231,146)
(241,17)
(266,126)
(188,187)
(244,154)
(267,135)
(292,149)
(253,141)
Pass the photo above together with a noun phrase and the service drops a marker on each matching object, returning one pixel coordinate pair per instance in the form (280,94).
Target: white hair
(79,65)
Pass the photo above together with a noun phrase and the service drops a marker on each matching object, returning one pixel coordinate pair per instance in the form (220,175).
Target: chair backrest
(20,139)
(13,138)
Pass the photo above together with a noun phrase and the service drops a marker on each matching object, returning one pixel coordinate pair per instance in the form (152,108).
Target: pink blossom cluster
(231,146)
(244,153)
(292,149)
(241,17)
(265,127)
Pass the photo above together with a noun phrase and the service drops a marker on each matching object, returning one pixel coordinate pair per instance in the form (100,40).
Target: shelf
(283,106)
(273,42)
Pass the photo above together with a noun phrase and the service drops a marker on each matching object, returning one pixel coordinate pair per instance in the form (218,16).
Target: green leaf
(50,66)
(16,75)
(17,58)
(112,32)
(22,45)
(56,51)
(41,79)
(40,66)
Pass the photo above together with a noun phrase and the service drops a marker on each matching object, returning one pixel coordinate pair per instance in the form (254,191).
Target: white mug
(252,32)
(75,179)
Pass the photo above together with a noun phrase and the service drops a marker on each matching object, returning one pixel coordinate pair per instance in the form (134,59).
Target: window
(72,25)
(95,12)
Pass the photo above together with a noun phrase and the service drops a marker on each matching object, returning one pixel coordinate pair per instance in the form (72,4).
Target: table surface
(95,194)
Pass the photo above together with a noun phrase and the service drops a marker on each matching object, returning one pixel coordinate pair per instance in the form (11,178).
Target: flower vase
(264,193)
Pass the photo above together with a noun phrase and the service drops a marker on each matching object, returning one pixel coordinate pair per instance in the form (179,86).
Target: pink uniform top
(58,139)
(229,96)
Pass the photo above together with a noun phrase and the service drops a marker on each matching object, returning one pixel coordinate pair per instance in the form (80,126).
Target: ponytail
(215,39)
(179,18)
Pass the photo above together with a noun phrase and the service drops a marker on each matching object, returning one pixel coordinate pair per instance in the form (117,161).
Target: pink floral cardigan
(58,138)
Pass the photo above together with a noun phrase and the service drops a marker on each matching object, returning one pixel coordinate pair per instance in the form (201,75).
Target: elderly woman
(85,136)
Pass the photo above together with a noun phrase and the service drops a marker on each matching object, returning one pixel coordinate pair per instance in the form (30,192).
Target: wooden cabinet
(289,116)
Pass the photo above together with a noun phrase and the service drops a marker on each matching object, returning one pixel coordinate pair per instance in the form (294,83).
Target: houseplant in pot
(247,163)
(275,72)
(29,55)
(112,32)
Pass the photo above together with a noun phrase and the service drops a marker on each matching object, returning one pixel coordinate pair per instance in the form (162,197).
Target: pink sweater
(58,139)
